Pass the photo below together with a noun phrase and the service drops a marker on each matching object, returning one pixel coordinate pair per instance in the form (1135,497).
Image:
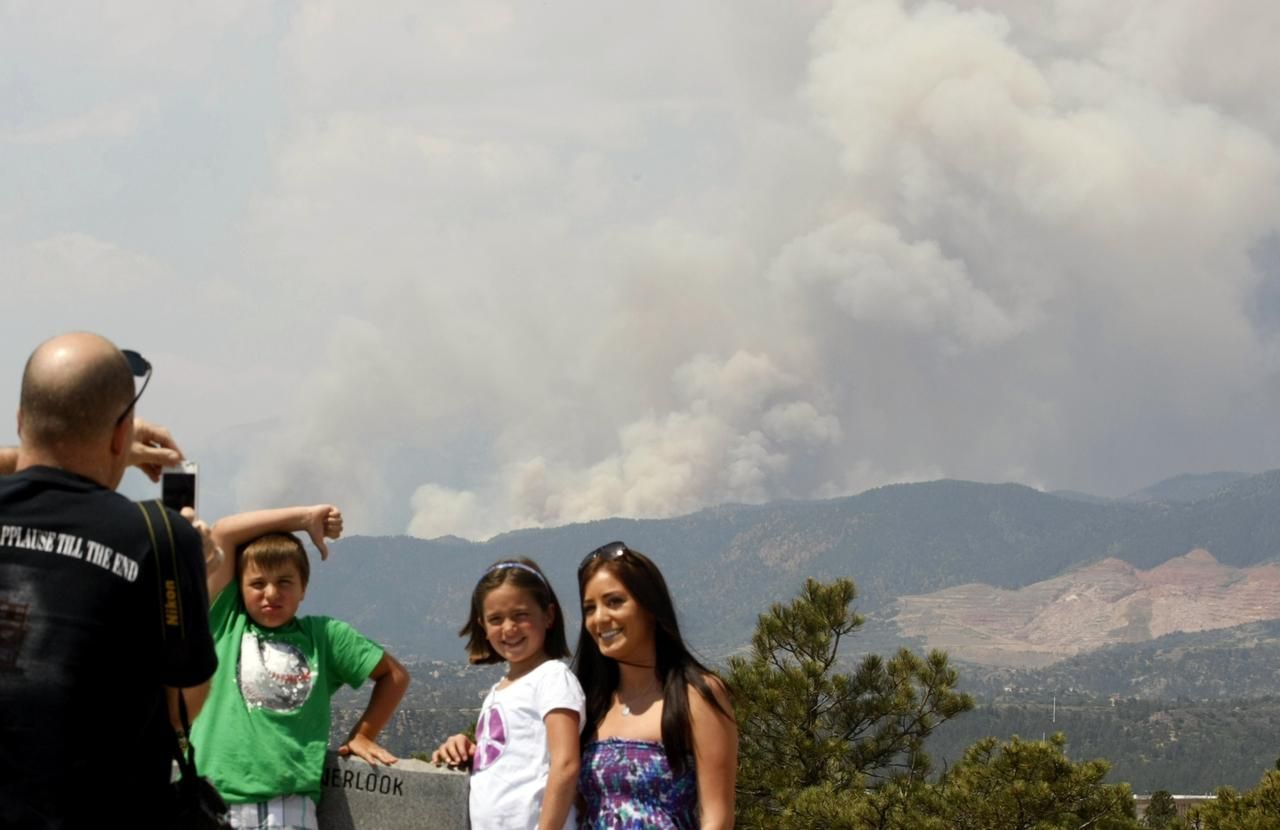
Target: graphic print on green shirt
(273,674)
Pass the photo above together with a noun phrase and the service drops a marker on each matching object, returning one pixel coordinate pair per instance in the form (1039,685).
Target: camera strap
(172,628)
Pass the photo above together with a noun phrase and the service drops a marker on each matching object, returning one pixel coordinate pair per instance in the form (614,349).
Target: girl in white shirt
(524,759)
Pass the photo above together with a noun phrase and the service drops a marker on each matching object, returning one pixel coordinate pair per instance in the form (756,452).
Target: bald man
(89,636)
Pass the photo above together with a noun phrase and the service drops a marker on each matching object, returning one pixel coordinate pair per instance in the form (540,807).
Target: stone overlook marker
(409,794)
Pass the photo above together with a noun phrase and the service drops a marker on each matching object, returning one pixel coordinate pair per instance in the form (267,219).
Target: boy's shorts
(284,812)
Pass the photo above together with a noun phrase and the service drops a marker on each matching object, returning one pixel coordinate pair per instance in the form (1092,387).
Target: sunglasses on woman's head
(611,551)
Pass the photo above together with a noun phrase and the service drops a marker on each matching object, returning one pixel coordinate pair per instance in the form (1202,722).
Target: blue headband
(502,566)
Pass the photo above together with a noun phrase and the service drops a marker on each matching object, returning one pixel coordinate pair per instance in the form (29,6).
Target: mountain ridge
(727,564)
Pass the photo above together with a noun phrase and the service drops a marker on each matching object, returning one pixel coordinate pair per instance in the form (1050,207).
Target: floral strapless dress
(628,785)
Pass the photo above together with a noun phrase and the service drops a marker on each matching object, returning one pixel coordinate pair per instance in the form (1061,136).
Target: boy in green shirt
(264,729)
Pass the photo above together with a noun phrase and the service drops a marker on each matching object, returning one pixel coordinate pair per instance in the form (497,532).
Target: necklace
(626,706)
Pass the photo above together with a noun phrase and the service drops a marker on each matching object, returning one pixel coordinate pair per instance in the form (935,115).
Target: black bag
(195,803)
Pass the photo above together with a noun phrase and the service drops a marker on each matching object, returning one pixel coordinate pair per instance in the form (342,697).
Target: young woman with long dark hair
(660,745)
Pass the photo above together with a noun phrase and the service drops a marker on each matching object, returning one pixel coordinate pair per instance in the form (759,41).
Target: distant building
(1182,803)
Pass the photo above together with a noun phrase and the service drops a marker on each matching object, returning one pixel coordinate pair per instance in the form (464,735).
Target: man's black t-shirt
(84,731)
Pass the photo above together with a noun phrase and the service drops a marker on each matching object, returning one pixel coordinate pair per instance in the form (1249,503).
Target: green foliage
(1257,809)
(808,732)
(898,805)
(1027,785)
(1161,811)
(1017,785)
(820,749)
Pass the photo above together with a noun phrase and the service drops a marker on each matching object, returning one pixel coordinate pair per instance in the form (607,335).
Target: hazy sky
(468,266)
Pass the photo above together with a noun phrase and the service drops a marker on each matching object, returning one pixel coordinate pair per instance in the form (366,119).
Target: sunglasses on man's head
(141,368)
(613,550)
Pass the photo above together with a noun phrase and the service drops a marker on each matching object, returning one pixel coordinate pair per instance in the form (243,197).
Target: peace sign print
(491,738)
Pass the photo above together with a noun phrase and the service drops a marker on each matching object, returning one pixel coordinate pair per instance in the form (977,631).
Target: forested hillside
(728,563)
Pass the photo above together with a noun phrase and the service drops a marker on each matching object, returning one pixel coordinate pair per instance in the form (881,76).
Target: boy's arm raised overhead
(390,679)
(320,521)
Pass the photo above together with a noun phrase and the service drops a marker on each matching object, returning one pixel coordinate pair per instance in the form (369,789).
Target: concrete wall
(409,794)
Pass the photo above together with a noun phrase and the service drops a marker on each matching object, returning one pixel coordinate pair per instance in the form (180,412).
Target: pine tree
(813,739)
(1161,811)
(1026,785)
(1257,809)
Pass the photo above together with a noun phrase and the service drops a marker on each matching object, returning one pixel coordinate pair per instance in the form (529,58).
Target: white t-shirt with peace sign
(510,767)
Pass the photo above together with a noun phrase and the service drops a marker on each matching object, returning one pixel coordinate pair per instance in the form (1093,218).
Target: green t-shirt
(264,728)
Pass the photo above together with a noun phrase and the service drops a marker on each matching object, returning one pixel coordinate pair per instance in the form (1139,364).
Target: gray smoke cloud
(985,240)
(497,266)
